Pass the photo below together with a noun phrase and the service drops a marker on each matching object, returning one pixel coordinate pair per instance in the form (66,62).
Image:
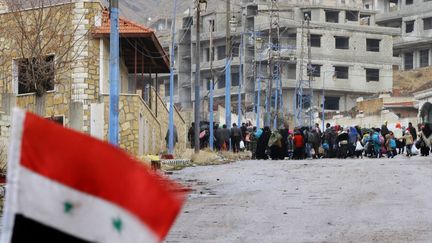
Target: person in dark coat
(224,137)
(236,137)
(412,131)
(284,132)
(262,144)
(191,135)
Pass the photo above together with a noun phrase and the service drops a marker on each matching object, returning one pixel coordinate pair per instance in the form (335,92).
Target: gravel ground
(353,200)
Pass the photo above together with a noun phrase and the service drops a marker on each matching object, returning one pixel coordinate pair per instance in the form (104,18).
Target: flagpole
(113,132)
(171,105)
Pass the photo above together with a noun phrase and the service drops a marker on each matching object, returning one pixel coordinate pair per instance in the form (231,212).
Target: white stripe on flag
(12,175)
(76,213)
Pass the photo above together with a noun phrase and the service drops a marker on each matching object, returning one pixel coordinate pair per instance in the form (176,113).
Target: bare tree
(46,38)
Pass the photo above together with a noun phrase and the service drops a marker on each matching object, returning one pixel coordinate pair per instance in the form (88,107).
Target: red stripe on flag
(99,169)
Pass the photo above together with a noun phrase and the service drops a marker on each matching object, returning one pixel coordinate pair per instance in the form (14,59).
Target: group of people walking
(333,142)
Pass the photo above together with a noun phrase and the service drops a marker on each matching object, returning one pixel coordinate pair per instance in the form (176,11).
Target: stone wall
(162,115)
(5,124)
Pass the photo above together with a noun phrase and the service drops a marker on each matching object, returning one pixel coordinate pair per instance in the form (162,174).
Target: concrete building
(351,55)
(414,18)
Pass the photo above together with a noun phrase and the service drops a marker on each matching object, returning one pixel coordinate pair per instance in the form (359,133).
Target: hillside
(407,82)
(141,10)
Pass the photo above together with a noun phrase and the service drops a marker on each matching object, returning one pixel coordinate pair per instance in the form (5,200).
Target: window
(40,69)
(332,16)
(409,26)
(307,15)
(427,23)
(221,52)
(315,40)
(408,2)
(352,15)
(212,25)
(331,103)
(367,6)
(373,45)
(305,100)
(341,72)
(207,54)
(372,75)
(221,82)
(424,58)
(292,71)
(393,5)
(408,60)
(314,70)
(57,119)
(235,50)
(341,42)
(235,79)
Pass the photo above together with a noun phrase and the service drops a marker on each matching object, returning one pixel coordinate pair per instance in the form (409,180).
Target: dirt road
(354,200)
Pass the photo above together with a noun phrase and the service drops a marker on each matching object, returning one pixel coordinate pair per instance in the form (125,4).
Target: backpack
(392,143)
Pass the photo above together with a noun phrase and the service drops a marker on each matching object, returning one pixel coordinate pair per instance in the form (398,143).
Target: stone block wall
(162,115)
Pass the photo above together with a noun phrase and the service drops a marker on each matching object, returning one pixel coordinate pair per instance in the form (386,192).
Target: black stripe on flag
(27,230)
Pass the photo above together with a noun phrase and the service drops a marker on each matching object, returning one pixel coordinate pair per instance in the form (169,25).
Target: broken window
(341,42)
(35,75)
(373,45)
(315,40)
(332,16)
(408,60)
(341,72)
(331,103)
(372,74)
(424,58)
(427,23)
(352,15)
(409,26)
(314,70)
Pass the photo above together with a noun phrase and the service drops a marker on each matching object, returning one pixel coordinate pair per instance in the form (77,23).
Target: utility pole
(311,71)
(171,105)
(239,98)
(114,74)
(228,67)
(197,76)
(211,142)
(274,37)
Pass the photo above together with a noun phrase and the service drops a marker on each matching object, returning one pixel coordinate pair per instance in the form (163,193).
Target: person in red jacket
(298,145)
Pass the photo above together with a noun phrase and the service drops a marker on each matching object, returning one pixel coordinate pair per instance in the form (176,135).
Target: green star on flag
(118,224)
(68,207)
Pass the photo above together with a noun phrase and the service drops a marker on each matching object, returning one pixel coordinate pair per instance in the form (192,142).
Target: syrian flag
(63,186)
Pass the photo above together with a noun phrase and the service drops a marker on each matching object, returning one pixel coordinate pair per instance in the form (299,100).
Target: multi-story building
(414,18)
(351,56)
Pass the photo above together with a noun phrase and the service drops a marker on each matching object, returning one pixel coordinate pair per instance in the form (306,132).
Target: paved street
(369,200)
